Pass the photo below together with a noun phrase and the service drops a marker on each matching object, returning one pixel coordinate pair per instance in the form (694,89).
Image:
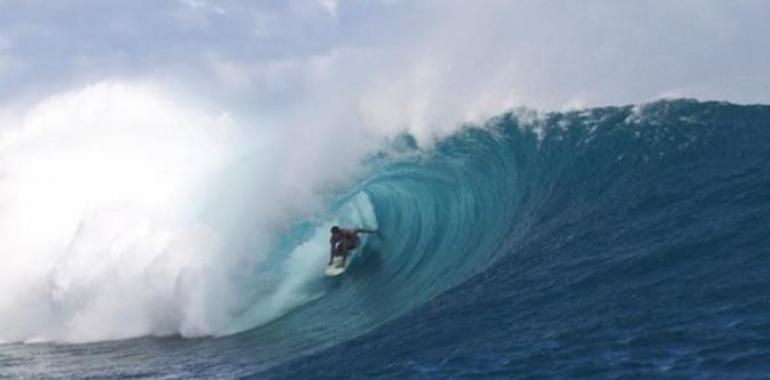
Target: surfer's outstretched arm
(365,231)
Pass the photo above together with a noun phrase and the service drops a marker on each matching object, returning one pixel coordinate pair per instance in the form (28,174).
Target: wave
(624,223)
(497,235)
(522,188)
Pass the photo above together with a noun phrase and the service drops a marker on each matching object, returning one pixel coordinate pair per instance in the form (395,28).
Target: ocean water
(617,242)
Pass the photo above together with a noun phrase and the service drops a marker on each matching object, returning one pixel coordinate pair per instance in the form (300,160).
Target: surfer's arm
(364,231)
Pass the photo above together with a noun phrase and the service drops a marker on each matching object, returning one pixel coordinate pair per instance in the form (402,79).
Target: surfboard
(335,268)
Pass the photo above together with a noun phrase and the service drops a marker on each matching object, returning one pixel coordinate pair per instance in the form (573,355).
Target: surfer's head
(335,230)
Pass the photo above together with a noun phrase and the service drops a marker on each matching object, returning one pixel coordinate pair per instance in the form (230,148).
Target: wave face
(612,242)
(617,241)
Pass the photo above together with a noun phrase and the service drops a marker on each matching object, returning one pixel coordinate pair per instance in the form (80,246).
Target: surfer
(343,241)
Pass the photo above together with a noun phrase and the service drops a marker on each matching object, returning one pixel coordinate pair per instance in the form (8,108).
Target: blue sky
(392,62)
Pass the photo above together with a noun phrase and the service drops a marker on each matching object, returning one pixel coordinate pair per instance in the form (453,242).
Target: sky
(391,64)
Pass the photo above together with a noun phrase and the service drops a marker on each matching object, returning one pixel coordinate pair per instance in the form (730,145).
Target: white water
(127,213)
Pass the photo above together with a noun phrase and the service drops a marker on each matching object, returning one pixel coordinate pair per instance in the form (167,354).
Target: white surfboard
(336,268)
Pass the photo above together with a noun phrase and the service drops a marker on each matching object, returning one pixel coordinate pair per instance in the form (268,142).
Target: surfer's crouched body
(343,241)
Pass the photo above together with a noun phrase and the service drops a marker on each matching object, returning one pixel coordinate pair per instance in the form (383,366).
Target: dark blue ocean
(617,242)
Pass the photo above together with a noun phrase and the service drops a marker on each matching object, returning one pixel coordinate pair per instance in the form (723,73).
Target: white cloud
(330,6)
(265,26)
(423,65)
(196,14)
(5,42)
(231,74)
(9,64)
(204,6)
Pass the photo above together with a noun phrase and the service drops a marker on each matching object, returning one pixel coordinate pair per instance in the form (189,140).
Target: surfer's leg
(344,250)
(344,257)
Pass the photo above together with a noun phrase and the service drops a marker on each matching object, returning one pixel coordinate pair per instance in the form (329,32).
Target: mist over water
(128,213)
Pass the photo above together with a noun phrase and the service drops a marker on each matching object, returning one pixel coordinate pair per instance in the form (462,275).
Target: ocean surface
(617,242)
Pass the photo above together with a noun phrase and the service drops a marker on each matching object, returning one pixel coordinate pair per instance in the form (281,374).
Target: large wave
(493,236)
(226,255)
(642,227)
